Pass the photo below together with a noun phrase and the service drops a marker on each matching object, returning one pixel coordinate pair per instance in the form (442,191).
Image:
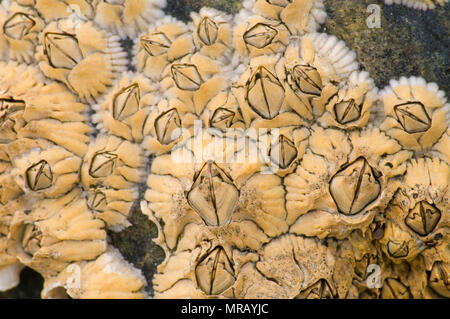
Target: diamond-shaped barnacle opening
(283,153)
(413,117)
(102,164)
(318,290)
(307,79)
(279,3)
(186,76)
(167,126)
(214,272)
(397,249)
(126,102)
(355,186)
(423,218)
(347,111)
(62,50)
(8,107)
(97,201)
(265,94)
(18,25)
(213,195)
(394,289)
(222,118)
(31,239)
(39,176)
(260,35)
(207,31)
(439,279)
(155,44)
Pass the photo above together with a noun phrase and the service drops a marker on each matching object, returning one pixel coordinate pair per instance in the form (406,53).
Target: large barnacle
(416,112)
(68,52)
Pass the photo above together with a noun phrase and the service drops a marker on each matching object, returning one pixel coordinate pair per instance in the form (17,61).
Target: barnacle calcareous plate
(243,154)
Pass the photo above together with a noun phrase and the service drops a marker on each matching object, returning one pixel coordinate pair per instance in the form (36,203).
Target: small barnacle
(319,290)
(214,272)
(207,31)
(20,27)
(126,102)
(81,56)
(155,43)
(439,278)
(300,16)
(46,238)
(43,169)
(108,276)
(347,111)
(307,79)
(39,176)
(284,152)
(186,76)
(260,35)
(223,112)
(264,93)
(394,289)
(166,126)
(397,249)
(354,186)
(213,195)
(97,201)
(11,111)
(102,164)
(423,218)
(415,112)
(127,17)
(222,118)
(62,50)
(162,45)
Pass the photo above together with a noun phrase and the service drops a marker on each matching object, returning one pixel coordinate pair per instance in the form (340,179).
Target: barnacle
(265,157)
(20,27)
(416,112)
(81,56)
(110,176)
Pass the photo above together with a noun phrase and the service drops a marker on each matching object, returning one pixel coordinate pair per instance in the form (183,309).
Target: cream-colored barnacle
(167,42)
(213,195)
(186,76)
(415,111)
(350,106)
(423,218)
(418,4)
(439,278)
(11,111)
(355,186)
(394,289)
(56,232)
(213,33)
(19,33)
(442,147)
(223,112)
(258,36)
(127,17)
(214,272)
(108,163)
(109,276)
(300,16)
(80,55)
(43,169)
(126,108)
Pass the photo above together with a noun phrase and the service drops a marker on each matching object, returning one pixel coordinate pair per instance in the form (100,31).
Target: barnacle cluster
(269,161)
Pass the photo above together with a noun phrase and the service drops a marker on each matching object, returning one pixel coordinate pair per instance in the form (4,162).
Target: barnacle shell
(56,232)
(80,55)
(20,27)
(126,108)
(334,168)
(107,277)
(127,17)
(416,112)
(167,42)
(299,16)
(111,175)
